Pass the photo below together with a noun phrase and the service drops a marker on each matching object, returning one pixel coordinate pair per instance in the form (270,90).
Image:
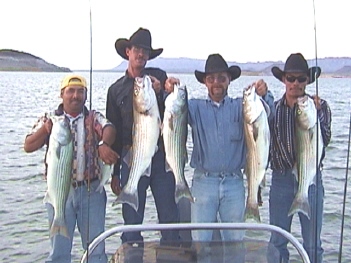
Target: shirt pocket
(126,106)
(236,131)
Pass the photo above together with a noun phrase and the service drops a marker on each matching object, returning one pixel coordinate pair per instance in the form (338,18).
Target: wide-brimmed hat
(296,63)
(141,38)
(214,64)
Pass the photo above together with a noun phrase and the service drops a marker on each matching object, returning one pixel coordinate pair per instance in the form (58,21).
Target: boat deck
(251,251)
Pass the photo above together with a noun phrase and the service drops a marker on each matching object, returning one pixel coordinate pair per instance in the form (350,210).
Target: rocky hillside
(12,60)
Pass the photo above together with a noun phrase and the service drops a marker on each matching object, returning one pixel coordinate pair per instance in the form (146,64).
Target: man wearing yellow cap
(92,136)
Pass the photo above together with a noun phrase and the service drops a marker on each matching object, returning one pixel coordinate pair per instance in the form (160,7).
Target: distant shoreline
(18,61)
(247,74)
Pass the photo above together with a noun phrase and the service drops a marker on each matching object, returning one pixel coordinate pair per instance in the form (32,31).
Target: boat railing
(197,226)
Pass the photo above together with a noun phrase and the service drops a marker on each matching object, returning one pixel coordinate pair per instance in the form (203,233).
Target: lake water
(25,96)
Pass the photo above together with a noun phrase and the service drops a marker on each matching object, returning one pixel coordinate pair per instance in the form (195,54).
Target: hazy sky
(58,31)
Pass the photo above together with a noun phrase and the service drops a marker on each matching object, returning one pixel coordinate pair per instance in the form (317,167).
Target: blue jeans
(282,192)
(218,197)
(76,212)
(162,186)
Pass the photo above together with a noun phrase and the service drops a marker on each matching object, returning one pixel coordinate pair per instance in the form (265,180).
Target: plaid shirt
(86,129)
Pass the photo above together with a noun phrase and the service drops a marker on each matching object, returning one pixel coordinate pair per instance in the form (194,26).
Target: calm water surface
(25,96)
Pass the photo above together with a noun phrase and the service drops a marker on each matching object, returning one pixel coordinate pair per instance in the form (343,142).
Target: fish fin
(101,167)
(168,167)
(128,157)
(252,212)
(244,171)
(47,198)
(263,182)
(58,151)
(156,149)
(131,199)
(182,190)
(266,107)
(147,172)
(311,133)
(255,132)
(171,122)
(301,205)
(100,188)
(159,123)
(161,128)
(294,171)
(58,228)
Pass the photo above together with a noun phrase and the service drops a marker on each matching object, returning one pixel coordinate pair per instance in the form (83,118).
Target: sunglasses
(292,79)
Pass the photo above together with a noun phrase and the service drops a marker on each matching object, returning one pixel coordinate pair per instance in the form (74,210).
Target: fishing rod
(91,124)
(345,190)
(91,60)
(316,234)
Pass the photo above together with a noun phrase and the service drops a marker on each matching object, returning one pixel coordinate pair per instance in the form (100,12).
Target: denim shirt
(218,134)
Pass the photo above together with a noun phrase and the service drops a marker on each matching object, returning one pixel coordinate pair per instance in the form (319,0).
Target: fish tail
(300,204)
(99,188)
(131,199)
(58,228)
(183,191)
(252,212)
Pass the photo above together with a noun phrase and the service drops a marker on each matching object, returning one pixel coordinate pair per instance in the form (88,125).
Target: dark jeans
(282,192)
(162,186)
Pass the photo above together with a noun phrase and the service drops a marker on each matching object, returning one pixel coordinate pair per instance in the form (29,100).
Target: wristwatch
(101,143)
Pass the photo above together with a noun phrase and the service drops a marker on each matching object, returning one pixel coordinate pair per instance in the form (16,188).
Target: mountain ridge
(13,60)
(329,65)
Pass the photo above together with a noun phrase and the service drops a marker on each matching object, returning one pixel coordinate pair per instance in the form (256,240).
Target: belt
(77,184)
(218,174)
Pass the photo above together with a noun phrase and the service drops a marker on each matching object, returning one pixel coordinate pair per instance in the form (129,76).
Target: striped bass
(307,149)
(175,133)
(59,166)
(106,171)
(257,137)
(146,131)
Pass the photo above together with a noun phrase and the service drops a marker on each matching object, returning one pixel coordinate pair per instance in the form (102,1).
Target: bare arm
(105,151)
(109,135)
(36,140)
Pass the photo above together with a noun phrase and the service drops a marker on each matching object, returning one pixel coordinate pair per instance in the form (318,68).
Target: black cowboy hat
(214,64)
(141,38)
(294,64)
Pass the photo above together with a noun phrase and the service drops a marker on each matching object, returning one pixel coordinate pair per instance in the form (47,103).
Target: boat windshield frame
(197,226)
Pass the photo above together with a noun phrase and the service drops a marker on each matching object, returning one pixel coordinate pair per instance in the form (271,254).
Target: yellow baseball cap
(73,80)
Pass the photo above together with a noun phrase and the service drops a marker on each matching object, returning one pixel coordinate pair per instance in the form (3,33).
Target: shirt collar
(60,111)
(126,75)
(71,118)
(217,104)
